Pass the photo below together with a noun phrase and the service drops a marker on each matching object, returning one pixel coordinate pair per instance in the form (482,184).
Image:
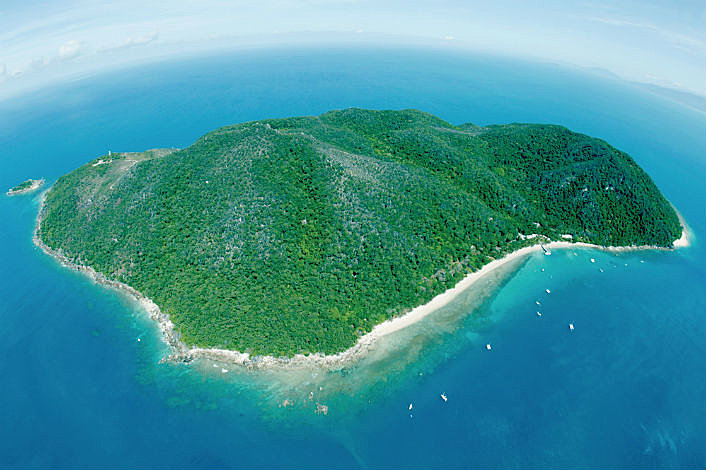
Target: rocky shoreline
(36,184)
(165,324)
(182,353)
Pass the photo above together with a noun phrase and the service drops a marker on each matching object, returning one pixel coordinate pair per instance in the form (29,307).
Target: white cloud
(141,39)
(69,50)
(38,63)
(132,41)
(619,22)
(680,41)
(3,70)
(449,38)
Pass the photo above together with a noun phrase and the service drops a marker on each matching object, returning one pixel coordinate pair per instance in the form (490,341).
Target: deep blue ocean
(626,388)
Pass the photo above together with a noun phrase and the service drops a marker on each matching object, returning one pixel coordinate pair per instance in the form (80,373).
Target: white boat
(571,326)
(548,291)
(539,314)
(410,406)
(593,260)
(443,397)
(488,347)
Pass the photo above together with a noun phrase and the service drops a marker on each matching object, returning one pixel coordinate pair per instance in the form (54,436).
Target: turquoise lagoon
(81,383)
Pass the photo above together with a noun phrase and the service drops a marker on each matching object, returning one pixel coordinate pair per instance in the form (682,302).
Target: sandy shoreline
(182,353)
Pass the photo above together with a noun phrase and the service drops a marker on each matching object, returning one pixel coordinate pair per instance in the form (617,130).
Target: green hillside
(299,235)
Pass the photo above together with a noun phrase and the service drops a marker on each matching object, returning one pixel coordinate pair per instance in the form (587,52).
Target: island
(297,237)
(25,187)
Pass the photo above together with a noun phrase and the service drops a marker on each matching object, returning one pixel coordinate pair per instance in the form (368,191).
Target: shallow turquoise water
(626,388)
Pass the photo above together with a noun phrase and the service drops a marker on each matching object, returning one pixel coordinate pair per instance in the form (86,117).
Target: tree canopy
(299,235)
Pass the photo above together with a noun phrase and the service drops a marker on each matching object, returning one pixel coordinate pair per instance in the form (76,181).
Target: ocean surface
(80,382)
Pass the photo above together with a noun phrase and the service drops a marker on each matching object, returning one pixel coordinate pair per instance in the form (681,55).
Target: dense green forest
(298,235)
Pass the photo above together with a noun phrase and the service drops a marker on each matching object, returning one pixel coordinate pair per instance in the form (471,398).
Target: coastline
(165,324)
(182,353)
(36,184)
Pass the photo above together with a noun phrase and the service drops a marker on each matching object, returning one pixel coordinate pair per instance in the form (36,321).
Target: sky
(661,42)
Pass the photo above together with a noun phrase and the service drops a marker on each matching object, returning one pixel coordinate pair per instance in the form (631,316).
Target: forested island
(299,235)
(25,187)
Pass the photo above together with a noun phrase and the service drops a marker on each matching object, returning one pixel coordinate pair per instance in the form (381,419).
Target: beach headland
(183,353)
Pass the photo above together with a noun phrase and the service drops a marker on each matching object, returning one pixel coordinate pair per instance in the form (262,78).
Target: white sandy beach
(444,298)
(367,341)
